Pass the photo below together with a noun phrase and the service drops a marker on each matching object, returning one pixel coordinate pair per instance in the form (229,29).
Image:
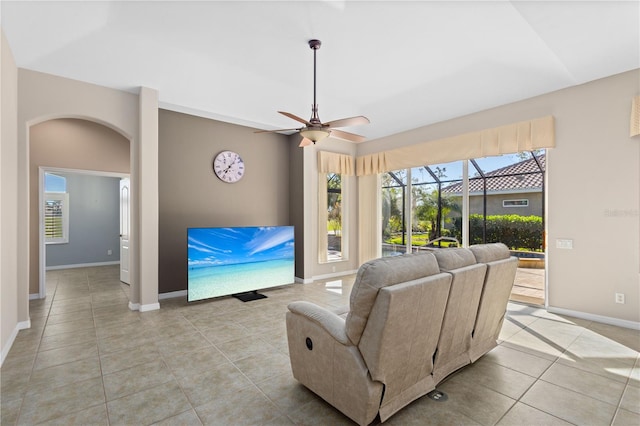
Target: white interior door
(125,260)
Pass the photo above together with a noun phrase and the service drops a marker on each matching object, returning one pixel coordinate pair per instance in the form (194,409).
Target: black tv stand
(249,296)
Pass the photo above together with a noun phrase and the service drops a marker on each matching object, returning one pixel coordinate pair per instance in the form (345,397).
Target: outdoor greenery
(435,214)
(424,210)
(334,203)
(418,240)
(517,232)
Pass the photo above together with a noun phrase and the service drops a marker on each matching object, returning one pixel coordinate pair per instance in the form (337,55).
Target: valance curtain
(508,139)
(329,162)
(635,116)
(369,218)
(332,162)
(323,238)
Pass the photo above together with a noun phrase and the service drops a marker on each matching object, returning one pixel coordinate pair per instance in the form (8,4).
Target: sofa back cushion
(454,258)
(485,253)
(378,273)
(462,307)
(501,273)
(400,338)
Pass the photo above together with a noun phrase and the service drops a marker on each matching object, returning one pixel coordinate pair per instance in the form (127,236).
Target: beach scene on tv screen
(224,261)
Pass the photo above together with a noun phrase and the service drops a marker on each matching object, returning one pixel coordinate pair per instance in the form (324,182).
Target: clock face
(228,166)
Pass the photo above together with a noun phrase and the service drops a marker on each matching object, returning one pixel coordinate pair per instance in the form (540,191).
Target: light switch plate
(564,244)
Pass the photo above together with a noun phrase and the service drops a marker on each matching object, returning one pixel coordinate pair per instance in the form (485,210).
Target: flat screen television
(229,261)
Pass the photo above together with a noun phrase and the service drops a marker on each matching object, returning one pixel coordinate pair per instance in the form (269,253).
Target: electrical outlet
(620,298)
(109,252)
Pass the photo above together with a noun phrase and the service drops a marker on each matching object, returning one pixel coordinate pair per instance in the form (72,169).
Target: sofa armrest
(342,311)
(329,321)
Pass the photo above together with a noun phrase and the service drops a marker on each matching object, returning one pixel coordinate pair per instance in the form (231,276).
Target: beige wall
(593,146)
(190,195)
(595,167)
(71,144)
(8,197)
(145,247)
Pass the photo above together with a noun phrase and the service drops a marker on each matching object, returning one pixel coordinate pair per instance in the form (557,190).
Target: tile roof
(505,179)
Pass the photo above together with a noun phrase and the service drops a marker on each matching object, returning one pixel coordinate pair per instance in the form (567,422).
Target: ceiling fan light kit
(315,135)
(315,130)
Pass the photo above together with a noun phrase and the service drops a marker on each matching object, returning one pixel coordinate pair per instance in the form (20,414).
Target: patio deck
(529,286)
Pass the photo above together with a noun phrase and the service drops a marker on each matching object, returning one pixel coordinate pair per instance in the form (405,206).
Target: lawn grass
(418,240)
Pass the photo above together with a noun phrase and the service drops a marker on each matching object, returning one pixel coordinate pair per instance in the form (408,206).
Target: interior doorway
(125,230)
(79,146)
(90,228)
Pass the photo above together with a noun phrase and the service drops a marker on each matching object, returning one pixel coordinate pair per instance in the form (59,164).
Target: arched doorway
(73,144)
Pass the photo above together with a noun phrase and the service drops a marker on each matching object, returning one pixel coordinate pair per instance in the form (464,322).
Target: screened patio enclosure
(423,208)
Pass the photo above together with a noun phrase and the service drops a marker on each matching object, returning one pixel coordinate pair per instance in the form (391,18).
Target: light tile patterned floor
(89,360)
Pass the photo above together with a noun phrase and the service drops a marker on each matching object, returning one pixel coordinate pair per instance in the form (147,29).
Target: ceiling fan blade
(346,122)
(276,131)
(347,136)
(295,117)
(305,142)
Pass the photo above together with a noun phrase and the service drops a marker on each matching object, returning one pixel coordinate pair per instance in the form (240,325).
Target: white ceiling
(401,64)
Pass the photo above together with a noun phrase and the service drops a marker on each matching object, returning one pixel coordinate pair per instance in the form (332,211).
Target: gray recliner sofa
(412,320)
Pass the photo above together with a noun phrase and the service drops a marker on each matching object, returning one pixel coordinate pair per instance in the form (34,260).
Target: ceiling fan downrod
(315,119)
(314,130)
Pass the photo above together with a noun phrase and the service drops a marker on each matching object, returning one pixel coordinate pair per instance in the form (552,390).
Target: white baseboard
(303,280)
(82,265)
(597,318)
(144,308)
(172,294)
(150,307)
(333,275)
(22,325)
(7,347)
(34,296)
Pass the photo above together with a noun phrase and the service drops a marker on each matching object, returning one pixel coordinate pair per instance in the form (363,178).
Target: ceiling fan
(315,130)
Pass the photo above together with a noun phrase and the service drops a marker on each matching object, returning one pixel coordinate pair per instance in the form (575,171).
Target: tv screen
(224,261)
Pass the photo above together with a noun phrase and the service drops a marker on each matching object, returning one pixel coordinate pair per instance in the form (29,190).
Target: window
(515,203)
(334,172)
(423,204)
(334,216)
(56,209)
(415,211)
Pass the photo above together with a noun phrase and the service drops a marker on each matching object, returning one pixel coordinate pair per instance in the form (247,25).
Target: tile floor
(88,360)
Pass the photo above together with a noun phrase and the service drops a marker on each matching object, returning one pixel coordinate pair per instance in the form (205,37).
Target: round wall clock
(228,166)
